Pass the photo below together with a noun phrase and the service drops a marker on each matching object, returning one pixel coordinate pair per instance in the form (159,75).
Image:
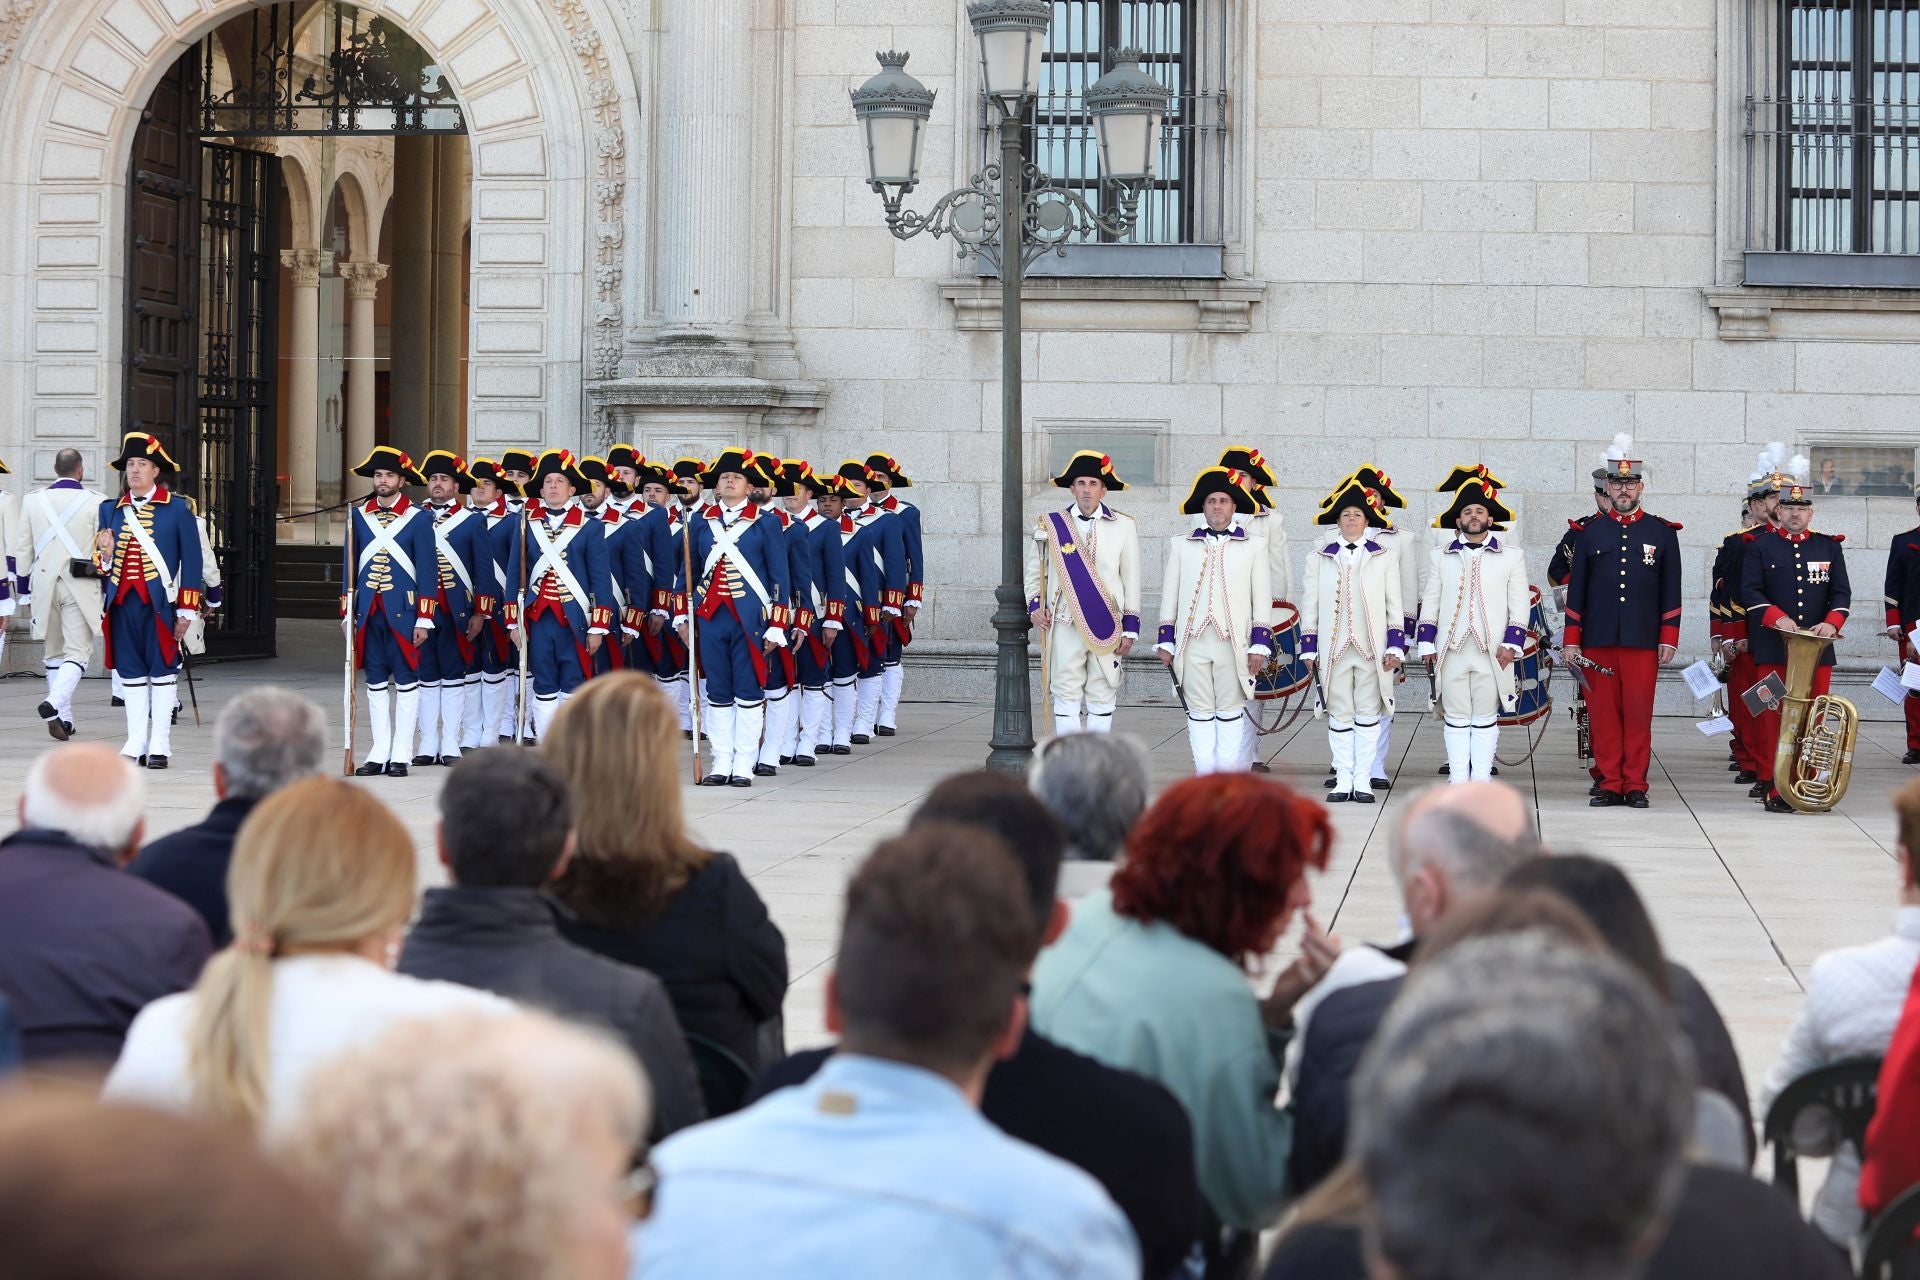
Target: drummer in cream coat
(1473,625)
(55,543)
(1092,558)
(1351,625)
(1267,528)
(1216,629)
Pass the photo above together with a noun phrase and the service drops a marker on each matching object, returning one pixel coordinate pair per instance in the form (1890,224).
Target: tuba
(1814,758)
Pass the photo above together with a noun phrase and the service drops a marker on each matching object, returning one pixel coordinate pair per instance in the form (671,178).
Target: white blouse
(322,1005)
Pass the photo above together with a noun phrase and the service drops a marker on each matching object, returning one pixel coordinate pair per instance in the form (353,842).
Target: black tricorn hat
(1462,474)
(1370,477)
(1474,493)
(385,457)
(624,455)
(1219,480)
(854,469)
(1352,493)
(1089,465)
(489,470)
(1248,460)
(139,444)
(446,462)
(560,462)
(741,461)
(594,467)
(687,467)
(799,472)
(517,460)
(889,470)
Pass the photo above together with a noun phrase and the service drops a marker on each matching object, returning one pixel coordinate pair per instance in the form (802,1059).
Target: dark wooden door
(163,245)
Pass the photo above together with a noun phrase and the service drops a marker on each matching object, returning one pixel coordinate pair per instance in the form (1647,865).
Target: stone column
(303,381)
(707,145)
(363,288)
(410,351)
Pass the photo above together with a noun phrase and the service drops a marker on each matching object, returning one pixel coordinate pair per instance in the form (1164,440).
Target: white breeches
(1469,688)
(1355,689)
(1213,675)
(1076,673)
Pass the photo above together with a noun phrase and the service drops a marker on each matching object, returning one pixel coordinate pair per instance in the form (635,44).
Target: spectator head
(617,743)
(937,939)
(1096,785)
(1906,808)
(1001,803)
(1506,911)
(320,865)
(67,464)
(1223,858)
(89,793)
(478,1145)
(1602,893)
(1455,844)
(1522,1112)
(125,1193)
(506,820)
(264,739)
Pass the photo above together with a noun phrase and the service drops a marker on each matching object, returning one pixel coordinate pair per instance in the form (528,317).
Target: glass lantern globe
(893,109)
(1012,35)
(1127,106)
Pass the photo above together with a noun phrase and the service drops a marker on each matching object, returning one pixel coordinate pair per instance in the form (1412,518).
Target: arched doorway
(549,104)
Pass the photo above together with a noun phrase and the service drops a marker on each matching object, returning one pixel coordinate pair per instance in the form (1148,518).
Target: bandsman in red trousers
(1903,614)
(1623,614)
(1728,624)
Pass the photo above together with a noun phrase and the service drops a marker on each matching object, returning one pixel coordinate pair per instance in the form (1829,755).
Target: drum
(1533,699)
(1285,673)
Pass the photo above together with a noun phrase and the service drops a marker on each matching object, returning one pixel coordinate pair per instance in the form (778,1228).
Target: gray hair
(266,738)
(1096,785)
(1472,856)
(66,463)
(1523,1112)
(82,794)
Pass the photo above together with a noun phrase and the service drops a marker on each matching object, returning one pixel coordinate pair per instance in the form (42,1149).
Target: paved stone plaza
(1748,900)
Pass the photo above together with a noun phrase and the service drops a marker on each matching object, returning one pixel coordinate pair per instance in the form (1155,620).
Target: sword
(1433,690)
(1178,692)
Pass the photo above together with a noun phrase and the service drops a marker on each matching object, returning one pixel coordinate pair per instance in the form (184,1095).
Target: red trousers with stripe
(1620,711)
(1740,678)
(1767,724)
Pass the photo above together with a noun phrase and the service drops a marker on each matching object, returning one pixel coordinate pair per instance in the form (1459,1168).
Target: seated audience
(881,1164)
(1500,1128)
(1096,785)
(1891,1163)
(9,1042)
(264,739)
(506,829)
(1852,1004)
(1450,851)
(1151,974)
(480,1148)
(83,945)
(640,891)
(321,887)
(90,1192)
(1125,1130)
(1608,899)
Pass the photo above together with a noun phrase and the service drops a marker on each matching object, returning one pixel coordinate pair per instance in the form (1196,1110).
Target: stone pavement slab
(1747,899)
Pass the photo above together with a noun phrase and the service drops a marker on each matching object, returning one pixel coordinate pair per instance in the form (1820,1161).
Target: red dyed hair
(1217,858)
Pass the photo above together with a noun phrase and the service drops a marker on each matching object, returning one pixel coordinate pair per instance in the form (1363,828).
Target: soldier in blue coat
(391,558)
(821,606)
(565,612)
(495,502)
(1791,579)
(626,562)
(1902,590)
(466,592)
(738,598)
(879,549)
(783,667)
(148,550)
(660,530)
(885,476)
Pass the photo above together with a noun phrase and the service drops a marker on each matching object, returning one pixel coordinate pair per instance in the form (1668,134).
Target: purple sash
(1090,606)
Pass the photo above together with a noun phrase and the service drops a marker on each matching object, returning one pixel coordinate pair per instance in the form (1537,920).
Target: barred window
(1183,45)
(1833,142)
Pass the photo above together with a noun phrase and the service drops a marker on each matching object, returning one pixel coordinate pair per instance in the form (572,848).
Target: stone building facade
(1423,232)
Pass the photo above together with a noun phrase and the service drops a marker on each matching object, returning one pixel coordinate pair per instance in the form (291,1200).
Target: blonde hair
(617,744)
(320,865)
(453,1146)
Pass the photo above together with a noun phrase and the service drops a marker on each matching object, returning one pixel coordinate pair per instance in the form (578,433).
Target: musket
(693,639)
(525,686)
(349,698)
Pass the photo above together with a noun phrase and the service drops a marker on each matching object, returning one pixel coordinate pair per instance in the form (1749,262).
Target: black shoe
(1261,766)
(1382,784)
(687,735)
(1776,805)
(739,782)
(156,762)
(117,701)
(885,731)
(370,770)
(1912,757)
(764,771)
(1595,789)
(59,729)
(421,762)
(1636,799)
(860,739)
(1494,772)
(1340,797)
(1606,800)
(447,762)
(1733,766)
(1745,777)
(68,726)
(1329,785)
(143,762)
(705,738)
(1362,797)
(1442,771)
(176,713)
(1758,789)
(506,740)
(843,750)
(805,762)
(786,759)
(396,770)
(714,780)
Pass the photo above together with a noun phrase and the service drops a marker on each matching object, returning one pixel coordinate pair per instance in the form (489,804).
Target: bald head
(89,793)
(1498,808)
(1456,844)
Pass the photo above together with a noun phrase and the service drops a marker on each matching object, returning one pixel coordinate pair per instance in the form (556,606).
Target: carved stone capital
(363,279)
(307,265)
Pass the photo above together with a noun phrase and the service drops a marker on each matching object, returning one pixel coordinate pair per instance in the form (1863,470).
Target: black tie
(1353,546)
(1217,533)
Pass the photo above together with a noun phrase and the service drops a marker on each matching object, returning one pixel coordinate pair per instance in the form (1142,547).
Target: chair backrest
(1890,1251)
(1845,1092)
(724,1075)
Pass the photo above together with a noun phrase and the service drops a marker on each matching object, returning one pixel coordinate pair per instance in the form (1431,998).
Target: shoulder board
(1675,525)
(1578,524)
(1834,537)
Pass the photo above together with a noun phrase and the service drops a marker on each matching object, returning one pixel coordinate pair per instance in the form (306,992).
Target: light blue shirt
(873,1169)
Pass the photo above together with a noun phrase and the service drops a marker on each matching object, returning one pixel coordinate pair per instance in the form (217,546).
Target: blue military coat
(756,564)
(174,539)
(468,582)
(389,565)
(1625,589)
(1799,576)
(575,556)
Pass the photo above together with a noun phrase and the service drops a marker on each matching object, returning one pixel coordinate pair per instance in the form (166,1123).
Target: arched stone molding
(306,203)
(549,112)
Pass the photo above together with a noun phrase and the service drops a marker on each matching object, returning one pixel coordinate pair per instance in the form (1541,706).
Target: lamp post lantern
(1010,214)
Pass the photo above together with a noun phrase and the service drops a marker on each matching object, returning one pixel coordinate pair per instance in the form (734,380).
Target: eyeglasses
(635,1191)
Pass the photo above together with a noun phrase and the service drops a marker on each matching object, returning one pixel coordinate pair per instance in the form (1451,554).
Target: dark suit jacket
(1125,1130)
(84,946)
(507,941)
(191,864)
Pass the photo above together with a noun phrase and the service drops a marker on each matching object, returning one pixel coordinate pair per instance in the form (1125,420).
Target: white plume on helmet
(1800,469)
(1618,449)
(1771,459)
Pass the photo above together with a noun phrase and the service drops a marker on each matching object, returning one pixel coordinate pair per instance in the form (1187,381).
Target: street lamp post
(1010,214)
